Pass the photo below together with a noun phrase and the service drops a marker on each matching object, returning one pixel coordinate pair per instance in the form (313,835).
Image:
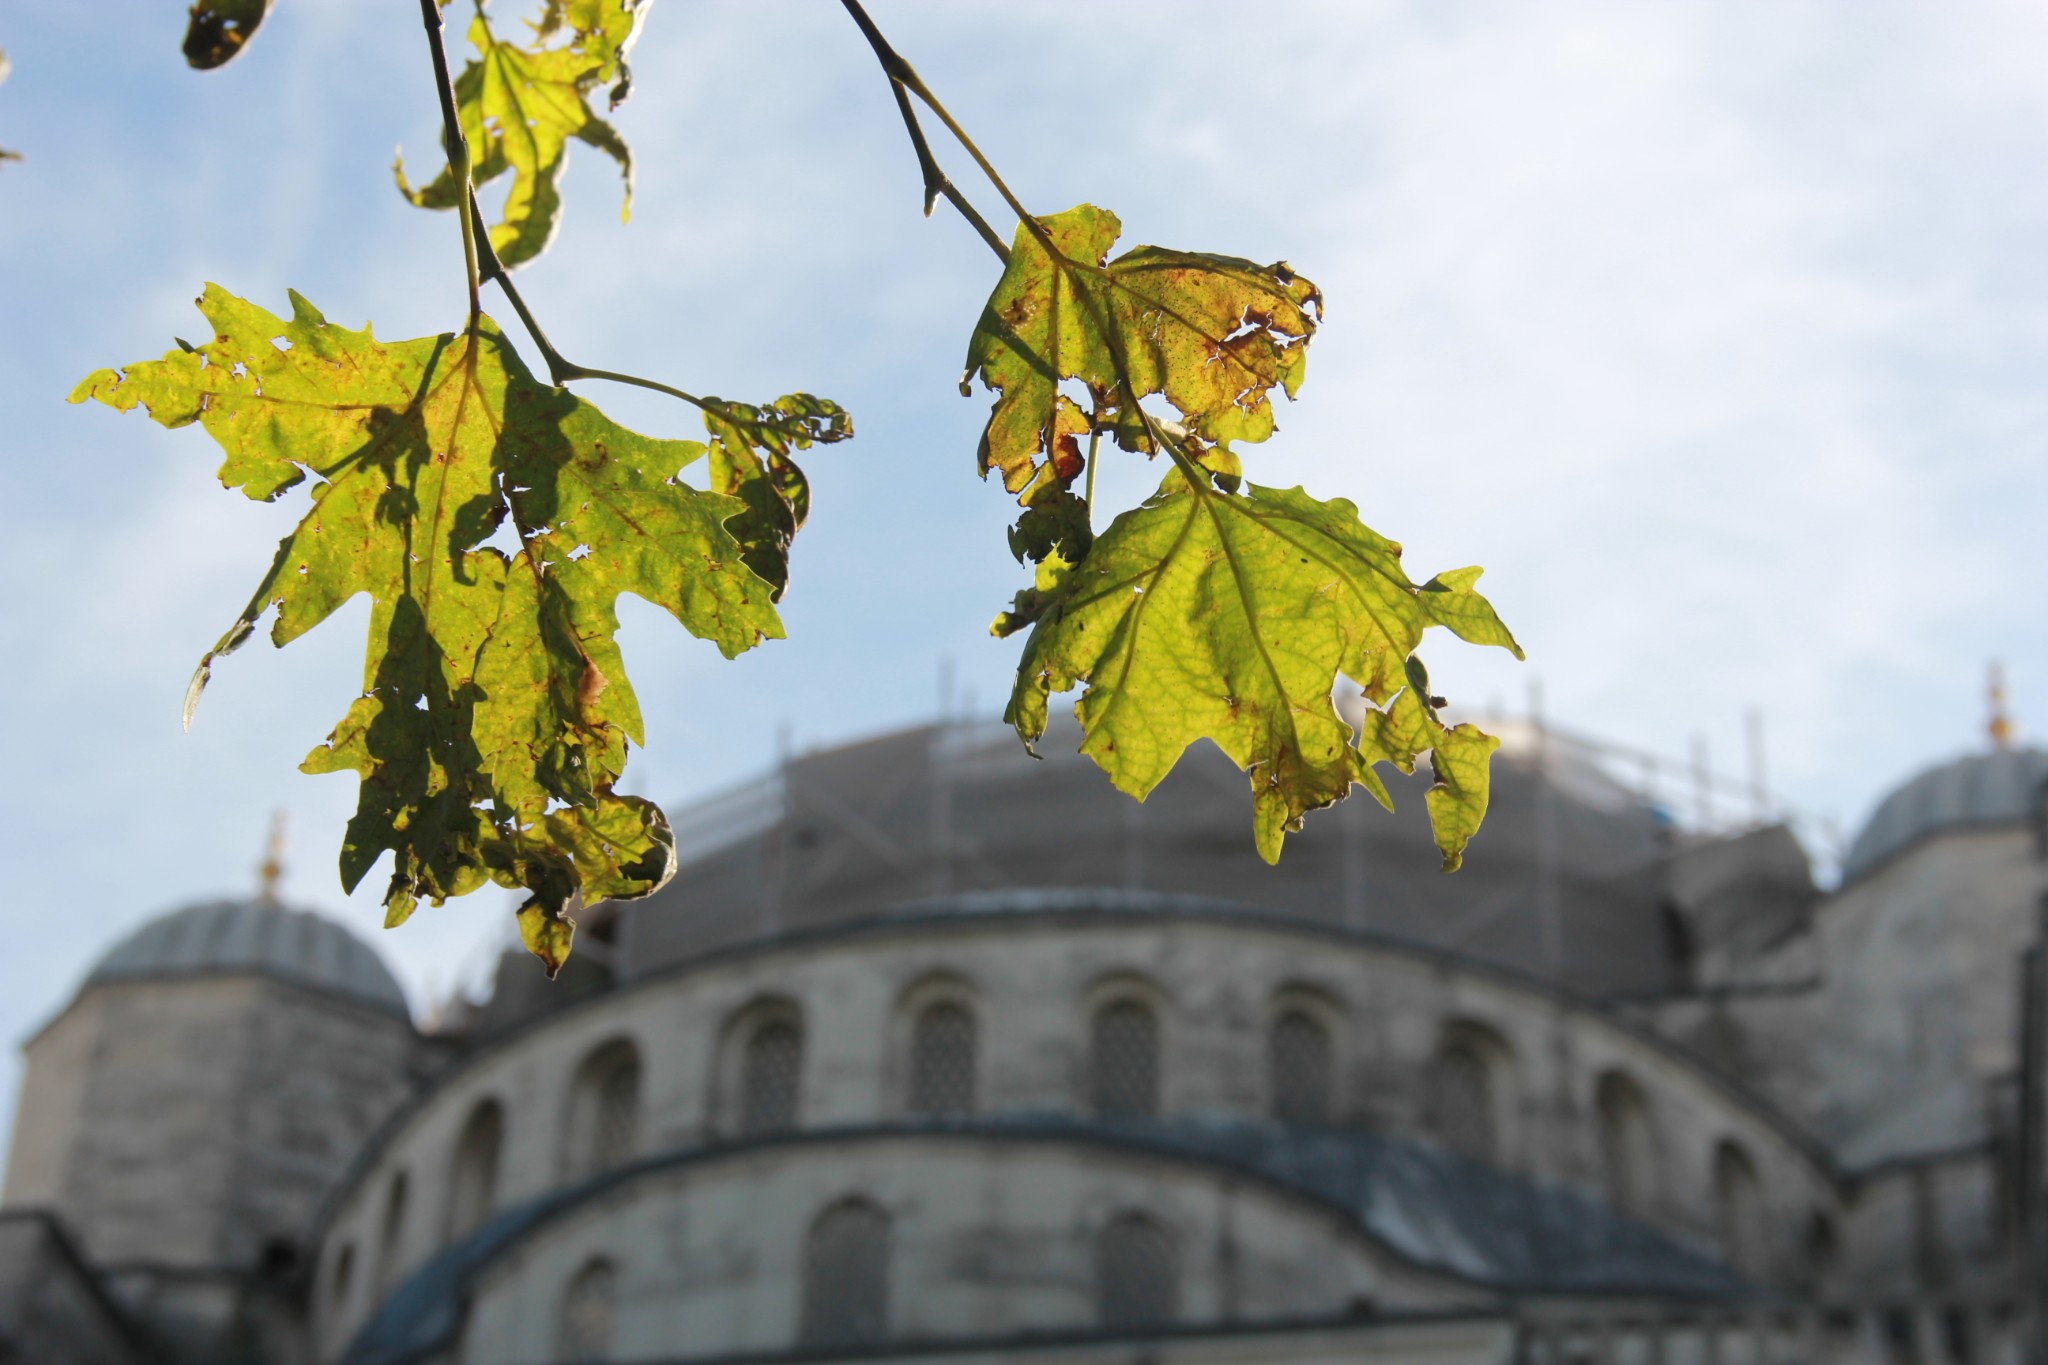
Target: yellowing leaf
(1459,757)
(1213,334)
(519,106)
(495,714)
(547,935)
(1203,614)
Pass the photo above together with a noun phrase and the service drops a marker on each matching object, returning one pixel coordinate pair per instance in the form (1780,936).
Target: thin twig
(457,148)
(561,369)
(936,183)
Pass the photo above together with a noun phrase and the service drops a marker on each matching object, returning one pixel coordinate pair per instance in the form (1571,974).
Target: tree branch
(457,148)
(936,182)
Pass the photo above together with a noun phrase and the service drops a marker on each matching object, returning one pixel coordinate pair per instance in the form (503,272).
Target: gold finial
(270,871)
(2000,725)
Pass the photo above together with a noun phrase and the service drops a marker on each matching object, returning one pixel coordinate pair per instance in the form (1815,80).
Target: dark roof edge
(351,999)
(1925,836)
(1023,1343)
(1910,1161)
(548,1208)
(928,914)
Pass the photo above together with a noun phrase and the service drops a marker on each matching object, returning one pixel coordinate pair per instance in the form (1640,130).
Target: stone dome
(217,937)
(1999,787)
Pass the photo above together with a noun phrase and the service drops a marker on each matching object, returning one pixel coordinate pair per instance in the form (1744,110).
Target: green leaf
(1203,614)
(1214,334)
(547,935)
(519,106)
(495,715)
(216,31)
(1459,759)
(750,460)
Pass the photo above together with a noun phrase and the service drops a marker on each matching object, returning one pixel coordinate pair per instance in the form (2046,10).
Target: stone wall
(196,1123)
(982,1242)
(1031,976)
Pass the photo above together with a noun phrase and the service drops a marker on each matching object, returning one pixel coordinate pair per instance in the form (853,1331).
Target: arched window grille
(1136,1278)
(1466,1117)
(1628,1143)
(846,1277)
(604,1110)
(942,1061)
(1123,1061)
(587,1329)
(391,1235)
(1299,1068)
(1740,1198)
(473,1174)
(771,1072)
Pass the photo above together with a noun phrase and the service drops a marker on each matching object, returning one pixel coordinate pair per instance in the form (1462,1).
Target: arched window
(1298,1068)
(604,1111)
(473,1173)
(1123,1061)
(1472,1072)
(342,1278)
(1628,1143)
(1739,1198)
(587,1326)
(391,1235)
(1823,1248)
(846,1277)
(942,1048)
(1136,1281)
(771,1073)
(1681,950)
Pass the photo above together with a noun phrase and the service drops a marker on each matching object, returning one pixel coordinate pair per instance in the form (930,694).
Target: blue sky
(1715,331)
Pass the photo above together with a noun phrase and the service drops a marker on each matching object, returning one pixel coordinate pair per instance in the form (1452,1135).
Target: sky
(1714,329)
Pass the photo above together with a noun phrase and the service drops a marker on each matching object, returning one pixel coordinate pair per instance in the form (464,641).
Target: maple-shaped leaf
(495,713)
(1215,335)
(1206,614)
(519,106)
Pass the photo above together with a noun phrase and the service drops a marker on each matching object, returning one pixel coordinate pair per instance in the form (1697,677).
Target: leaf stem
(936,182)
(1088,488)
(457,147)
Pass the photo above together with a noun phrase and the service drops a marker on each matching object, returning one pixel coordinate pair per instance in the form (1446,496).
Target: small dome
(1998,787)
(250,936)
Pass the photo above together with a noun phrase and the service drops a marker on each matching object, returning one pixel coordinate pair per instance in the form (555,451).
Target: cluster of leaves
(494,519)
(495,715)
(1218,609)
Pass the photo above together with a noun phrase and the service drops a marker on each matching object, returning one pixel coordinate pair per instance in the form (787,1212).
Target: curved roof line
(1092,907)
(434,1296)
(240,937)
(1976,791)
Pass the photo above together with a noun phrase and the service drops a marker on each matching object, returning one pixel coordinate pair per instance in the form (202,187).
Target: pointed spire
(270,871)
(1999,726)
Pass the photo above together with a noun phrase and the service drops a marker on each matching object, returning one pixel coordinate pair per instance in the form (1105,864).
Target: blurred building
(935,1050)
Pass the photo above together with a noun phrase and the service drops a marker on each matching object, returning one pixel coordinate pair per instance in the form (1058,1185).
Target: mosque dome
(1998,787)
(217,937)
